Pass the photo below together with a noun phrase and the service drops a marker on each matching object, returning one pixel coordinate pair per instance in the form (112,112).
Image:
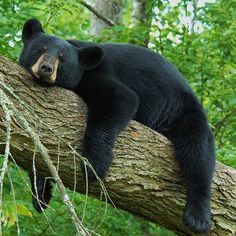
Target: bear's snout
(46,69)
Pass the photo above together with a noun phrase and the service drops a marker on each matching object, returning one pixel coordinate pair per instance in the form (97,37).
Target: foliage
(199,40)
(71,18)
(97,215)
(207,59)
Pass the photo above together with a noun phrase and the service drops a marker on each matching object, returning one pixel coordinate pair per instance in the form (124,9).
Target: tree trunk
(144,178)
(112,9)
(142,16)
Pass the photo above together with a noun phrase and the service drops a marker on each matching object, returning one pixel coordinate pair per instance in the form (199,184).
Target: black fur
(41,192)
(120,82)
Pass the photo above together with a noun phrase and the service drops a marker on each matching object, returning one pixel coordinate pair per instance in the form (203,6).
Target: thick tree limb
(144,178)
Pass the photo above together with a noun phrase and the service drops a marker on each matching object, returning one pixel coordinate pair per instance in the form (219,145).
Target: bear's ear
(30,28)
(90,57)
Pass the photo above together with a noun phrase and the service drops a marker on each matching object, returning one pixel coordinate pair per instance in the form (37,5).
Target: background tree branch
(144,178)
(106,10)
(107,20)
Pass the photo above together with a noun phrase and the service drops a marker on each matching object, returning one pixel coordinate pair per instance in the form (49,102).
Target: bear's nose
(46,69)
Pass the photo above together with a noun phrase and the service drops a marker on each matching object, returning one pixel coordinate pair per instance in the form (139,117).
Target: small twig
(36,191)
(22,176)
(75,178)
(29,188)
(14,200)
(59,214)
(86,191)
(223,120)
(98,213)
(8,137)
(35,182)
(96,13)
(6,154)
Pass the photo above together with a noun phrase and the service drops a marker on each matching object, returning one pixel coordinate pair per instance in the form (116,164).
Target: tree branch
(96,13)
(144,178)
(6,153)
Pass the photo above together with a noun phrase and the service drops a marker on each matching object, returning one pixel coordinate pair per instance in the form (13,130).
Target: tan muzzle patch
(36,66)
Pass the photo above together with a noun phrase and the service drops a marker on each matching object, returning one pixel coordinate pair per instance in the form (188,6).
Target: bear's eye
(43,49)
(61,57)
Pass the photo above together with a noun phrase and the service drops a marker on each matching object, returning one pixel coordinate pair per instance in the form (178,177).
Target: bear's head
(54,61)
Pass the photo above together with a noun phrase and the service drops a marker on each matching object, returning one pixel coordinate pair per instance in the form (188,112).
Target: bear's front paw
(197,217)
(101,170)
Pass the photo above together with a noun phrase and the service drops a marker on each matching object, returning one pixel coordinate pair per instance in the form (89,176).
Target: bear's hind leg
(194,150)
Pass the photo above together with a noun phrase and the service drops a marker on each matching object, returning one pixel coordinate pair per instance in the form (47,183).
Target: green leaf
(233,101)
(22,210)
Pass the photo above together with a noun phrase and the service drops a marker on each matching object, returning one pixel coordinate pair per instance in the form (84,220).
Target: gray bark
(142,16)
(112,9)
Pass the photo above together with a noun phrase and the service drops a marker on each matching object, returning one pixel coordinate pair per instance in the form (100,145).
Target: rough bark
(144,178)
(112,9)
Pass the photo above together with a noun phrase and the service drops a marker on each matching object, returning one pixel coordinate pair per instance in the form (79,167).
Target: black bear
(120,82)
